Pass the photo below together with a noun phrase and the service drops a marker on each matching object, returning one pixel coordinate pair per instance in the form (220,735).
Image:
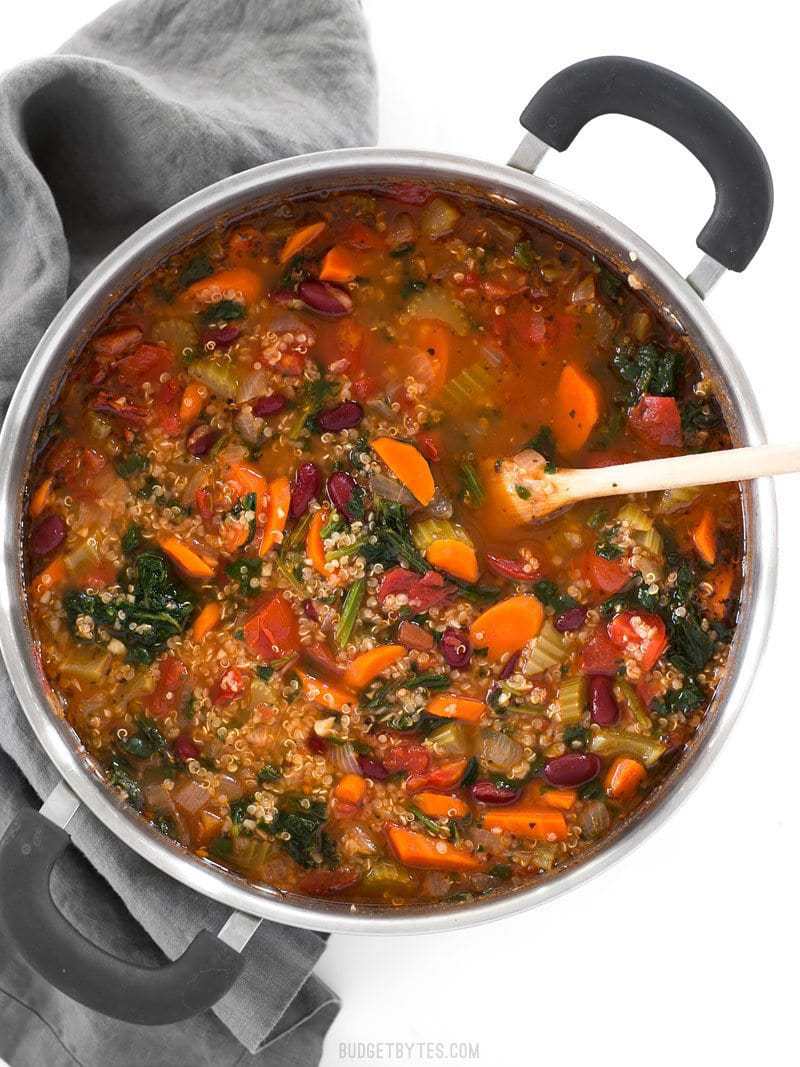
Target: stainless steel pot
(553,117)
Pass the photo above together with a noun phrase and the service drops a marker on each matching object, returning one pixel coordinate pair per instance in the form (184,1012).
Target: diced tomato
(362,237)
(204,501)
(430,590)
(445,777)
(430,445)
(146,363)
(168,405)
(407,756)
(322,883)
(502,285)
(657,420)
(291,364)
(343,347)
(606,575)
(600,655)
(364,387)
(172,687)
(609,457)
(641,635)
(409,193)
(64,457)
(231,685)
(97,575)
(272,630)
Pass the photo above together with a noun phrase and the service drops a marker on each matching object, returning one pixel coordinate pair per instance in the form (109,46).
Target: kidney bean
(510,666)
(310,610)
(569,620)
(201,439)
(603,706)
(341,489)
(456,647)
(575,768)
(488,793)
(510,568)
(316,744)
(325,298)
(47,535)
(372,768)
(283,296)
(184,748)
(263,406)
(415,637)
(342,417)
(222,336)
(305,487)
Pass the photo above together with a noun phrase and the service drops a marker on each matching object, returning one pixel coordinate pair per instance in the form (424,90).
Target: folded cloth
(152,101)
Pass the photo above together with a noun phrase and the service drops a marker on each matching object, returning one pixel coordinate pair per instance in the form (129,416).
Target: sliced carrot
(535,821)
(315,549)
(280,495)
(577,407)
(452,706)
(704,537)
(623,777)
(407,464)
(436,341)
(326,694)
(350,789)
(224,284)
(372,663)
(507,626)
(194,397)
(48,579)
(195,565)
(456,557)
(718,602)
(439,806)
(339,265)
(564,799)
(299,239)
(430,853)
(206,620)
(40,498)
(247,480)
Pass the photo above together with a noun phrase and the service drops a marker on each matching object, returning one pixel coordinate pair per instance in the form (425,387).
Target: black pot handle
(81,970)
(622,86)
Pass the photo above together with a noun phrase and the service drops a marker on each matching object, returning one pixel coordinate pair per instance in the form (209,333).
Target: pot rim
(541,201)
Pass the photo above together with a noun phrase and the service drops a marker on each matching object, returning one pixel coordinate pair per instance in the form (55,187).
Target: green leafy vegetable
(549,594)
(545,444)
(131,539)
(122,777)
(525,255)
(223,311)
(390,539)
(648,369)
(472,489)
(350,609)
(244,570)
(132,463)
(197,268)
(306,842)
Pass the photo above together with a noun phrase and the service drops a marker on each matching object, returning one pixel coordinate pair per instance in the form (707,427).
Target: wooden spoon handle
(706,468)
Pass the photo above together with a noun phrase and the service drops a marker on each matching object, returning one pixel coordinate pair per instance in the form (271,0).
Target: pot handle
(623,86)
(64,957)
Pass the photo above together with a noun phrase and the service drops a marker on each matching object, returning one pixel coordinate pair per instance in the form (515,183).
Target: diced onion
(499,752)
(343,757)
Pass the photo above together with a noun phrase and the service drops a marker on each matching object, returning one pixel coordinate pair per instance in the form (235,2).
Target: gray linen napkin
(152,101)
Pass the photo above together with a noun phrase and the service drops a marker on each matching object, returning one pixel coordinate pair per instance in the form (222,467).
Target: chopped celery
(468,391)
(434,303)
(623,743)
(248,853)
(350,609)
(677,499)
(545,650)
(544,855)
(572,700)
(85,555)
(384,877)
(427,531)
(177,334)
(221,378)
(452,739)
(636,517)
(99,428)
(651,541)
(624,693)
(86,663)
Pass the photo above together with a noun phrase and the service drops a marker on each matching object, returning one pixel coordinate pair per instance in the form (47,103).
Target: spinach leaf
(551,597)
(700,414)
(390,540)
(304,825)
(132,463)
(545,444)
(244,570)
(131,539)
(122,777)
(648,369)
(198,267)
(223,311)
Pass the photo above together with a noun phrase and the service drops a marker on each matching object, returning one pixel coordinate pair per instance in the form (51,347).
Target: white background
(687,950)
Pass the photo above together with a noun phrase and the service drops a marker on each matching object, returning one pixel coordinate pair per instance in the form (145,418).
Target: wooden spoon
(525,491)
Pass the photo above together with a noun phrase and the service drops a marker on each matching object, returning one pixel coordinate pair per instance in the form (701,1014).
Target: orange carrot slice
(722,580)
(704,537)
(206,620)
(40,498)
(195,565)
(407,464)
(577,407)
(299,239)
(280,495)
(351,789)
(339,265)
(192,401)
(326,694)
(372,663)
(452,706)
(231,283)
(315,549)
(624,777)
(507,626)
(533,821)
(430,853)
(456,557)
(564,799)
(439,806)
(53,575)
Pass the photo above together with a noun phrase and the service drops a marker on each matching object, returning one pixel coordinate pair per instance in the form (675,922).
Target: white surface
(687,950)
